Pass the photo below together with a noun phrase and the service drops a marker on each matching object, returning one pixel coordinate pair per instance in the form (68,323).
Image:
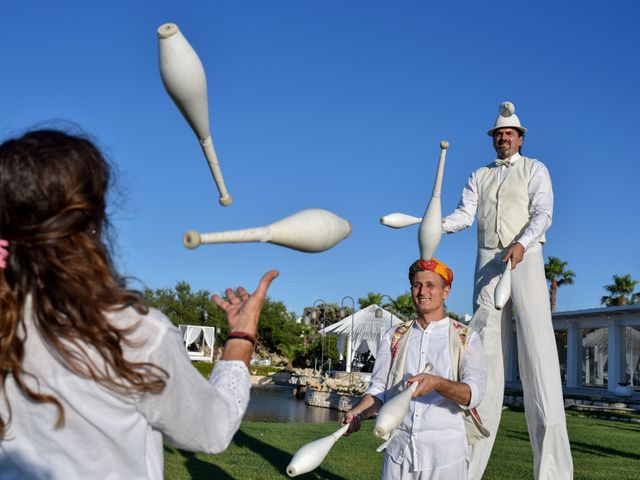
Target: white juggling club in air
(399,220)
(183,76)
(310,456)
(502,292)
(312,230)
(393,411)
(430,229)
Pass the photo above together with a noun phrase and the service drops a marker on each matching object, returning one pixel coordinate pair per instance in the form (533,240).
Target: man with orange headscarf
(432,442)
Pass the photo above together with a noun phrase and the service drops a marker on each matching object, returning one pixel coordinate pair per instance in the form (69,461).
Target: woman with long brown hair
(91,380)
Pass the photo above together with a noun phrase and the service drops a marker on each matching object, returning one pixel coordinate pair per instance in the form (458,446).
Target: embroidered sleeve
(231,379)
(192,412)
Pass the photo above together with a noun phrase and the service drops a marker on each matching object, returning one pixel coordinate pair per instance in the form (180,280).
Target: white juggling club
(393,411)
(399,220)
(312,230)
(183,76)
(430,229)
(502,292)
(310,456)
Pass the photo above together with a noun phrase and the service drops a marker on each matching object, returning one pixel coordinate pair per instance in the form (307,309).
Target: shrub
(204,368)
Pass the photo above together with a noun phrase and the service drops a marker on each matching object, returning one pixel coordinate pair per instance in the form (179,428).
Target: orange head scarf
(433,265)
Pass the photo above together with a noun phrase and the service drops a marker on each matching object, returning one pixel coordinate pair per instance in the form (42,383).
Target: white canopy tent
(191,334)
(360,330)
(596,347)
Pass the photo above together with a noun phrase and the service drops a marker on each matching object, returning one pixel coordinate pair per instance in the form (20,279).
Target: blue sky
(340,105)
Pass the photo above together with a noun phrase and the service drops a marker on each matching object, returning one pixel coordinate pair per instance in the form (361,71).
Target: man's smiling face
(428,291)
(507,142)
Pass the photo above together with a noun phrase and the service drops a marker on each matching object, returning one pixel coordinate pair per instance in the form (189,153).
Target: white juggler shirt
(432,434)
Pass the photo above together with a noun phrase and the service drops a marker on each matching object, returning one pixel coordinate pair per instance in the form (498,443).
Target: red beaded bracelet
(242,336)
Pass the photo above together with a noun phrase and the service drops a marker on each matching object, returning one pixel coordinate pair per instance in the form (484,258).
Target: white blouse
(108,435)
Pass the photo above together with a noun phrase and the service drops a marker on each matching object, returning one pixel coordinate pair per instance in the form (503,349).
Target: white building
(599,351)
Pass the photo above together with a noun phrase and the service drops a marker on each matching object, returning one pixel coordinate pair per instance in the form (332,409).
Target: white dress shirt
(432,434)
(107,435)
(540,208)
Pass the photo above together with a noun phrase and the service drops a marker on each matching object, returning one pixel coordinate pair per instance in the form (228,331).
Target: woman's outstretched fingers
(265,282)
(231,296)
(243,310)
(244,295)
(218,300)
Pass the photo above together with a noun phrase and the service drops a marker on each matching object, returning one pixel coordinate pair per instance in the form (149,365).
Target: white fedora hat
(507,119)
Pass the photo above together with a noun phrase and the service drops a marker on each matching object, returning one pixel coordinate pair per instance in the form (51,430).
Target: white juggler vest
(503,208)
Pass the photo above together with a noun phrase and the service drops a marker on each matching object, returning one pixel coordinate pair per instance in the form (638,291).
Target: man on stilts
(513,200)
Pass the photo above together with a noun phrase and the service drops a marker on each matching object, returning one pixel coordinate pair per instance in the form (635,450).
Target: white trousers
(403,471)
(537,361)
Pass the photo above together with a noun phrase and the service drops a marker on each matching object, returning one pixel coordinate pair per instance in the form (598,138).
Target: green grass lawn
(261,451)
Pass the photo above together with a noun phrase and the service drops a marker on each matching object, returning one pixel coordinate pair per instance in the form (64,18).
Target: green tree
(290,352)
(555,270)
(324,314)
(277,329)
(403,306)
(184,306)
(322,348)
(451,314)
(618,291)
(372,298)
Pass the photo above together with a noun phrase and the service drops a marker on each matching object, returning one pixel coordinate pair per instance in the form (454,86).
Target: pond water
(277,404)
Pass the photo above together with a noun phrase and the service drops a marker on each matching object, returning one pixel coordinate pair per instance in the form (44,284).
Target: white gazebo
(598,349)
(201,337)
(363,329)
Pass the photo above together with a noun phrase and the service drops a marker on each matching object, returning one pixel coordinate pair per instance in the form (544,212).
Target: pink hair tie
(4,253)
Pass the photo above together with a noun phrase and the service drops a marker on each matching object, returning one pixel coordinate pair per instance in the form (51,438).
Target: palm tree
(619,289)
(289,351)
(451,314)
(372,298)
(556,273)
(403,306)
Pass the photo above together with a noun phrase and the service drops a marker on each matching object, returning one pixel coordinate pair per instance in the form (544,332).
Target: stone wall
(604,407)
(277,378)
(329,399)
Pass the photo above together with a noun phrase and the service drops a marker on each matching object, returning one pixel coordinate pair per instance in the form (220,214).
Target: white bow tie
(503,161)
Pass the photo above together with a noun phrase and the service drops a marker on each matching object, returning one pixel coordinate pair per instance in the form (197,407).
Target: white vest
(503,209)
